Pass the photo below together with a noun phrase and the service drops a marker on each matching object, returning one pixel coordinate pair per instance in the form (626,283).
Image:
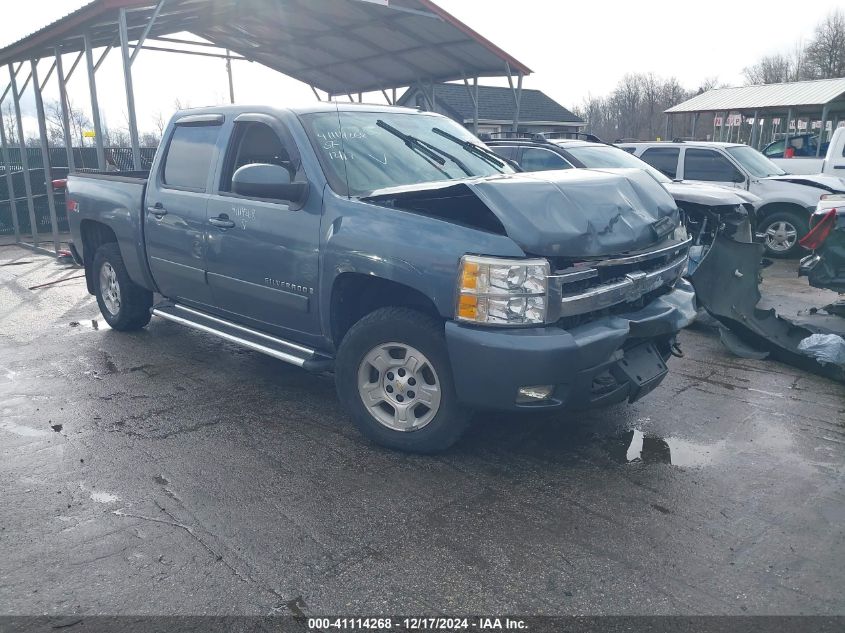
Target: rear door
(175,214)
(664,159)
(263,266)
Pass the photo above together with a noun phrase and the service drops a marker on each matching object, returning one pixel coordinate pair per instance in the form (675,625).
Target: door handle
(157,210)
(222,222)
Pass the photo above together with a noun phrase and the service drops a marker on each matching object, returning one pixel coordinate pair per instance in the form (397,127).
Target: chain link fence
(85,159)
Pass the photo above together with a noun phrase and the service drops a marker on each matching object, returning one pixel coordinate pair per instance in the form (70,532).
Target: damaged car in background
(392,248)
(825,267)
(706,209)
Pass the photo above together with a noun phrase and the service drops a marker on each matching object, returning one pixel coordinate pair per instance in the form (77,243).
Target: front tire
(394,377)
(782,231)
(124,304)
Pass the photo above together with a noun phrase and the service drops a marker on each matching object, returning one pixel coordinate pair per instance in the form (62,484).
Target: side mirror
(738,177)
(263,180)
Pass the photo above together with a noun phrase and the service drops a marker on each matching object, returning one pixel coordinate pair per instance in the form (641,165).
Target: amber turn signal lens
(468,307)
(469,276)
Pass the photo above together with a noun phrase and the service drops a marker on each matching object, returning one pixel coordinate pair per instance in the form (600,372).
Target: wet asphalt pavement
(167,472)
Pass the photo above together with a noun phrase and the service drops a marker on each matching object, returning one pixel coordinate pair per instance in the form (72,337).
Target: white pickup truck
(832,164)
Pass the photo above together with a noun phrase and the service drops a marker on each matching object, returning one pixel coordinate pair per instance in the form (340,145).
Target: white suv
(787,200)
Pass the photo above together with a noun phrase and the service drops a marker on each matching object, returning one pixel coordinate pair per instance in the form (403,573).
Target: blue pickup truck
(392,248)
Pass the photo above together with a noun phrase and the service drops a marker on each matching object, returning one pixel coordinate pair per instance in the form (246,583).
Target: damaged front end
(825,267)
(726,285)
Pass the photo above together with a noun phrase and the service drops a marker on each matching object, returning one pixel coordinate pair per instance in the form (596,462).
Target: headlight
(502,291)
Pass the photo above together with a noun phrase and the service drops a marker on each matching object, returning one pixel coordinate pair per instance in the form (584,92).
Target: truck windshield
(364,151)
(754,162)
(599,156)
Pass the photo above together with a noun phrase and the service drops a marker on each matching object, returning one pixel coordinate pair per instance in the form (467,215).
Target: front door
(707,165)
(175,214)
(263,254)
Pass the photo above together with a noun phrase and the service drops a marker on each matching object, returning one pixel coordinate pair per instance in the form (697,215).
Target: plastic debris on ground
(825,348)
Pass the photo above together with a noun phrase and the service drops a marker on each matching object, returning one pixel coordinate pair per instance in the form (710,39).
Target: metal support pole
(24,158)
(786,136)
(666,128)
(232,82)
(45,154)
(825,114)
(130,91)
(10,187)
(754,129)
(473,95)
(475,106)
(95,106)
(694,125)
(60,75)
(518,103)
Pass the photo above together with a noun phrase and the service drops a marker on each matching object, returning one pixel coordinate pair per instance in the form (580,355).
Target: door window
(538,159)
(252,143)
(189,155)
(775,150)
(705,164)
(505,151)
(664,159)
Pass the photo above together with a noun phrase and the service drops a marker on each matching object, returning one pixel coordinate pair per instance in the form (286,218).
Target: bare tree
(627,99)
(771,69)
(823,57)
(160,123)
(150,139)
(78,120)
(10,123)
(825,53)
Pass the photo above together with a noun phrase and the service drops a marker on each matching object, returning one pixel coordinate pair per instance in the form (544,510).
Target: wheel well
(780,207)
(355,295)
(94,235)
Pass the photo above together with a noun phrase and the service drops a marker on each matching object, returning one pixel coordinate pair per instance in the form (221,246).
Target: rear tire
(124,304)
(394,377)
(783,229)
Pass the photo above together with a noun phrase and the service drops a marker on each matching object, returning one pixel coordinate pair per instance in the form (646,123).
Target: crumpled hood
(710,195)
(831,184)
(572,213)
(578,212)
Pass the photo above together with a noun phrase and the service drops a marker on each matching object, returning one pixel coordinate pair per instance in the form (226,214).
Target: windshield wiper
(427,149)
(488,156)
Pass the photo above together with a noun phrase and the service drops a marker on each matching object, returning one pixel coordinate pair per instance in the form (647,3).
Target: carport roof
(785,95)
(338,46)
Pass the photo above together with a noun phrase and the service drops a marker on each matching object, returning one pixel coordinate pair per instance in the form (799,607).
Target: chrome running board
(278,348)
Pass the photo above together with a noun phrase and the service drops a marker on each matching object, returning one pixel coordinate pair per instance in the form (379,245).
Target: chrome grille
(594,286)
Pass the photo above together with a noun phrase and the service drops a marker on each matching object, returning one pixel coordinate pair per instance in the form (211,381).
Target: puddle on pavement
(23,431)
(104,497)
(634,446)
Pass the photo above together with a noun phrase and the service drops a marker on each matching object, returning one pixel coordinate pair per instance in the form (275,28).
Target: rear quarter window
(189,155)
(664,159)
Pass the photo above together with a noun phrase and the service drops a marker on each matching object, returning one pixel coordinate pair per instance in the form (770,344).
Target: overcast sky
(574,49)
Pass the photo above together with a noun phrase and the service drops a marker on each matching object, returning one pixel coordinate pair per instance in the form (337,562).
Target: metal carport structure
(339,47)
(820,100)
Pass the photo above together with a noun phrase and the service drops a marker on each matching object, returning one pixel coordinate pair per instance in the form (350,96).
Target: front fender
(417,251)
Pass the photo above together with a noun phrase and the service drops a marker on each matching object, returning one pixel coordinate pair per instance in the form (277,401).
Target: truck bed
(114,200)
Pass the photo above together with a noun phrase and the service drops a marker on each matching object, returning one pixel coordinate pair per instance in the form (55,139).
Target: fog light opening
(534,393)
